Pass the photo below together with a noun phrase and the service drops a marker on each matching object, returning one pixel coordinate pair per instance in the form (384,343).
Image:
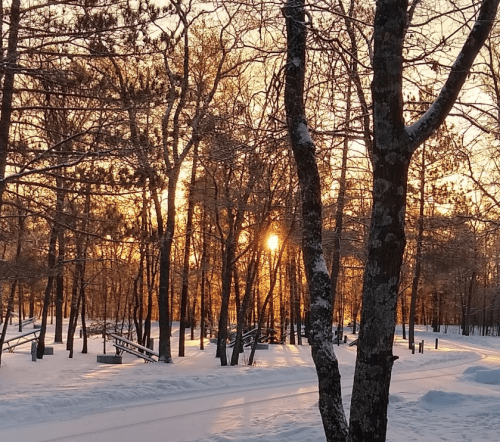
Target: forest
(146,170)
(235,165)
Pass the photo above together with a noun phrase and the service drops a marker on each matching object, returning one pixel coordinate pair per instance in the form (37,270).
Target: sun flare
(272,242)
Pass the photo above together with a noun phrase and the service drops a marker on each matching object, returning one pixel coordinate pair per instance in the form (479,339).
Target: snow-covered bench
(27,322)
(24,338)
(124,345)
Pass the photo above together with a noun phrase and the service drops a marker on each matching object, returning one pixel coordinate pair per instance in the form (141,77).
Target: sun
(272,242)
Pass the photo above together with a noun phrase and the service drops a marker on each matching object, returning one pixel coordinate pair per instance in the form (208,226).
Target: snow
(305,137)
(451,393)
(320,265)
(487,376)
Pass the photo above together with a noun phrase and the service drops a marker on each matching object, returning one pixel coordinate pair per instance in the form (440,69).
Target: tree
(330,395)
(8,90)
(393,147)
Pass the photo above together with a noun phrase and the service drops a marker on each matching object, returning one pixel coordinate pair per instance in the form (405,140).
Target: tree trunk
(187,254)
(10,67)
(20,307)
(204,264)
(435,311)
(138,297)
(393,146)
(60,287)
(374,361)
(330,394)
(84,312)
(339,212)
(150,277)
(227,272)
(469,304)
(403,313)
(32,303)
(238,344)
(418,255)
(73,316)
(292,278)
(166,239)
(272,283)
(51,260)
(298,312)
(10,309)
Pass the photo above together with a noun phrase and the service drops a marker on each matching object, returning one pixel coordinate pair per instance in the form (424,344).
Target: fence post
(33,351)
(422,346)
(436,343)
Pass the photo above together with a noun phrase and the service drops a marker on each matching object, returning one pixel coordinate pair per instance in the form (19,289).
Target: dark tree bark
(418,255)
(251,272)
(10,309)
(150,277)
(435,310)
(75,302)
(237,294)
(192,318)
(10,67)
(82,283)
(227,272)
(60,287)
(298,315)
(83,313)
(235,220)
(403,313)
(470,289)
(138,297)
(330,394)
(204,264)
(164,347)
(10,300)
(48,291)
(292,279)
(394,144)
(187,253)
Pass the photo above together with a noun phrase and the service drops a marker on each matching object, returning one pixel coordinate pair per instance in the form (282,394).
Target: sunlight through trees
(252,174)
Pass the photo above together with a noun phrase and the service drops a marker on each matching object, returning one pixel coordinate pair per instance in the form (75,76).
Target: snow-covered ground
(449,394)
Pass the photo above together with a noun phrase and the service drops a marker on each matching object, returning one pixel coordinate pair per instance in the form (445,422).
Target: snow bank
(473,369)
(437,400)
(482,375)
(487,376)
